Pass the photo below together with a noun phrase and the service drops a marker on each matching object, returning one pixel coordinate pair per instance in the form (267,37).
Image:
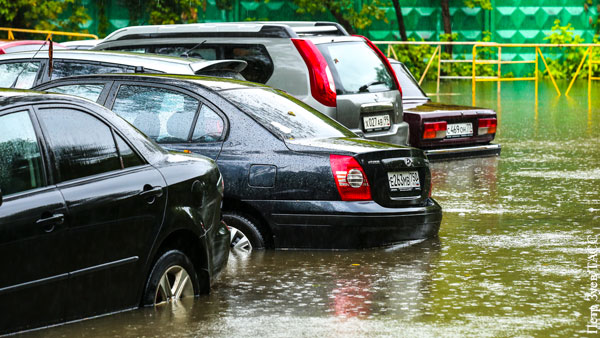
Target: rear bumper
(348,225)
(464,152)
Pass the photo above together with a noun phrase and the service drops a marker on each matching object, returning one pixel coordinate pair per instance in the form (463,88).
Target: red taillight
(383,59)
(487,126)
(430,187)
(322,86)
(350,178)
(433,130)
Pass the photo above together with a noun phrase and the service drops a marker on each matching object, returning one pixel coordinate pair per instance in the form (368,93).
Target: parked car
(25,70)
(94,217)
(344,77)
(81,44)
(294,178)
(27,45)
(445,130)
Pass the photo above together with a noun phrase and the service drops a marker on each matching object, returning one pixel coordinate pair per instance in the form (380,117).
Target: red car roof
(9,44)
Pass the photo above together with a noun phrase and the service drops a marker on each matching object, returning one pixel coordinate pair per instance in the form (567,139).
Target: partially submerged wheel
(245,235)
(173,277)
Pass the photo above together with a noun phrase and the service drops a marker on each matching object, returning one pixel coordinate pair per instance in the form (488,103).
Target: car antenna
(30,60)
(185,54)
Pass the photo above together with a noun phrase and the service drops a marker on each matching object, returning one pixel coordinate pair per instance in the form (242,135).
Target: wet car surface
(512,258)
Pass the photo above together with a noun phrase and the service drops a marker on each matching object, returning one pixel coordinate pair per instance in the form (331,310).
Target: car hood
(346,145)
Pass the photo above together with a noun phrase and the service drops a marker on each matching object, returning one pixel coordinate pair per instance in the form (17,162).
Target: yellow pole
(590,75)
(536,78)
(473,84)
(499,85)
(549,72)
(10,35)
(578,69)
(439,69)
(429,64)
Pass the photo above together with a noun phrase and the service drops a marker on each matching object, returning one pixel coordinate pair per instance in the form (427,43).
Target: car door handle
(49,223)
(150,193)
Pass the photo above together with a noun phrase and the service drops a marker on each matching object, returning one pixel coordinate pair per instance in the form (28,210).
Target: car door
(33,250)
(116,203)
(175,118)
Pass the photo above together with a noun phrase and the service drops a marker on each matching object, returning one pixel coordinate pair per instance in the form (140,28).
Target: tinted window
(284,115)
(128,157)
(90,91)
(356,68)
(259,69)
(71,68)
(209,126)
(25,71)
(81,144)
(410,86)
(20,158)
(165,116)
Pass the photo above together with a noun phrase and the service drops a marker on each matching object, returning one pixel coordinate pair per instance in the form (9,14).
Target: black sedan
(294,178)
(95,217)
(445,130)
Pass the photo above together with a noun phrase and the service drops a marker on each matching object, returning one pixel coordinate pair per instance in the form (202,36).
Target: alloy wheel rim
(174,284)
(239,241)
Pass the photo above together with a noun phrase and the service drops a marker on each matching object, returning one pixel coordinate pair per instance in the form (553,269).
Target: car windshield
(284,115)
(410,86)
(356,68)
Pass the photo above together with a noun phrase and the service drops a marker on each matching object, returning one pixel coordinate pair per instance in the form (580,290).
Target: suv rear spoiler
(223,65)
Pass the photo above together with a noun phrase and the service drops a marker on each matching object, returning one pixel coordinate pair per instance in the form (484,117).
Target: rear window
(259,69)
(356,68)
(410,86)
(284,115)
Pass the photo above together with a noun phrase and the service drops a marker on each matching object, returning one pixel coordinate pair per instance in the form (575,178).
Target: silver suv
(345,77)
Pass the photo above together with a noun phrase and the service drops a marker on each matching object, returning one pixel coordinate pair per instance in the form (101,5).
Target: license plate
(376,122)
(459,129)
(403,181)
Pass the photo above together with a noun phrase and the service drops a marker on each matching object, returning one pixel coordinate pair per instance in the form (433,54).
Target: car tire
(173,277)
(245,235)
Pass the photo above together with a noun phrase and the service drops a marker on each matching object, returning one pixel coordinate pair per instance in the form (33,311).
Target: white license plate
(405,180)
(459,129)
(376,122)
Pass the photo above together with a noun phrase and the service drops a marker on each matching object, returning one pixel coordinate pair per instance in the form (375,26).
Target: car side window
(88,91)
(81,144)
(63,68)
(128,157)
(23,72)
(21,166)
(164,115)
(209,126)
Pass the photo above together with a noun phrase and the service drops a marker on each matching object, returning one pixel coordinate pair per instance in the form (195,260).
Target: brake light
(487,126)
(383,59)
(322,86)
(350,178)
(433,130)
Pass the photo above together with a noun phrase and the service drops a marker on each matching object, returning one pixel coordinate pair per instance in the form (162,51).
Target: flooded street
(514,257)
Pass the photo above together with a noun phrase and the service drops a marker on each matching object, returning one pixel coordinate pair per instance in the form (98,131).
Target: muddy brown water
(515,256)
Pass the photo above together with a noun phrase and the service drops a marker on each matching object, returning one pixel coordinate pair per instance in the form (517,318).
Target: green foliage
(485,4)
(164,12)
(361,19)
(564,63)
(47,15)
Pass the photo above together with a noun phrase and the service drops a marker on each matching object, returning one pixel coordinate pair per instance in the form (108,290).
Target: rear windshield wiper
(364,88)
(185,54)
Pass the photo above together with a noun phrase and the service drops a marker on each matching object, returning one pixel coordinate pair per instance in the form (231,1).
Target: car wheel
(245,235)
(173,277)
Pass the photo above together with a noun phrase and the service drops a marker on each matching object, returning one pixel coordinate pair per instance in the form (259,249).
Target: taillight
(487,126)
(433,130)
(383,59)
(350,178)
(322,86)
(430,187)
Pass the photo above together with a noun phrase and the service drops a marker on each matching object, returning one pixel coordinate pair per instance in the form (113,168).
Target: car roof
(168,64)
(7,44)
(208,82)
(272,29)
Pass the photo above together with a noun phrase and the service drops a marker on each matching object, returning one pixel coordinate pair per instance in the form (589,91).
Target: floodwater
(515,257)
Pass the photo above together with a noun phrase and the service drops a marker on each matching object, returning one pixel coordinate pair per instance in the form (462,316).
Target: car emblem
(408,162)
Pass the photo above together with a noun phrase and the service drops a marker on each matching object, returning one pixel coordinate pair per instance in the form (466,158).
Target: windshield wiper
(27,65)
(185,54)
(364,88)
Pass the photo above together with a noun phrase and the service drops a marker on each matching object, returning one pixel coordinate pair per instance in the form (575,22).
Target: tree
(447,20)
(400,19)
(344,12)
(45,15)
